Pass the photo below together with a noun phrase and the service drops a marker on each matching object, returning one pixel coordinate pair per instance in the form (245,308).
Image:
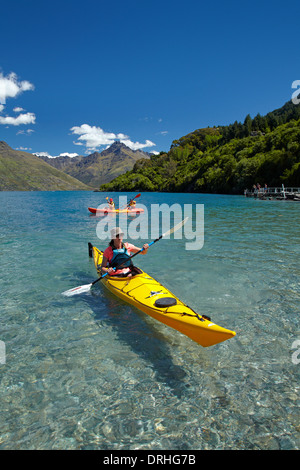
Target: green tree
(247,125)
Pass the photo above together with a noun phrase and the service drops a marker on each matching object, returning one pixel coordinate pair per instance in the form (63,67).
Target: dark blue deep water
(91,372)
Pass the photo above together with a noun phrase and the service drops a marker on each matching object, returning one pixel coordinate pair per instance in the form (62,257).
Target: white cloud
(18,109)
(10,86)
(137,145)
(46,154)
(25,132)
(28,118)
(42,154)
(93,137)
(66,154)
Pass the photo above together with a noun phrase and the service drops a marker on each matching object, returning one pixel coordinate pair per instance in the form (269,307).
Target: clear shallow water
(90,372)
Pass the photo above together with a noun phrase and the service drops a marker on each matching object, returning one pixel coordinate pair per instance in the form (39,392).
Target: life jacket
(120,255)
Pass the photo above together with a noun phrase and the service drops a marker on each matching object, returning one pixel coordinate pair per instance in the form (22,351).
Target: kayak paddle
(87,287)
(138,195)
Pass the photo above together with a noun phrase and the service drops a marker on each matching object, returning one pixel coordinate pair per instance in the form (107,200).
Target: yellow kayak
(153,298)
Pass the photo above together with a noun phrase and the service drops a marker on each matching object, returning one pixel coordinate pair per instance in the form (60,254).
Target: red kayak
(105,211)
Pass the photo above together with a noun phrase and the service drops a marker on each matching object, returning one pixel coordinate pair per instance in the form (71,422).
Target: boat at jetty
(279,193)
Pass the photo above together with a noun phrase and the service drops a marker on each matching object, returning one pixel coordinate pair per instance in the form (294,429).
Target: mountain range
(99,168)
(22,171)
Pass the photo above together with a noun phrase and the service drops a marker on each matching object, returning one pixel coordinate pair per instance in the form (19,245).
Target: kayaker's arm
(104,268)
(135,249)
(145,249)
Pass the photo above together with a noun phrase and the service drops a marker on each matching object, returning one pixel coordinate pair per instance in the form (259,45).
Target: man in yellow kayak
(118,252)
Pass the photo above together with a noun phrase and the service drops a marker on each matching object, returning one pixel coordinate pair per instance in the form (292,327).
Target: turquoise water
(91,372)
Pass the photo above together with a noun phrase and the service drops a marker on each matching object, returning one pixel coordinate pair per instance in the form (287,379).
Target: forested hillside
(225,159)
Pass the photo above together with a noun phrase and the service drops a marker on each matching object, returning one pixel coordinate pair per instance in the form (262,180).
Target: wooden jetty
(291,194)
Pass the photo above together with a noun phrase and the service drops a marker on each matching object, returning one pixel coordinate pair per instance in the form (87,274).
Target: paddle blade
(177,227)
(135,197)
(77,290)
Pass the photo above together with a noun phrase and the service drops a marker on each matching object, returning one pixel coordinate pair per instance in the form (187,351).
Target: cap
(116,231)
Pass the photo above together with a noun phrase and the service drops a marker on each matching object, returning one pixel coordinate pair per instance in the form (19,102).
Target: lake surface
(91,372)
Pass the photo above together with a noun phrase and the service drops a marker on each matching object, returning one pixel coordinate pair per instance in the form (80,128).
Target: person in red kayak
(118,252)
(111,204)
(132,205)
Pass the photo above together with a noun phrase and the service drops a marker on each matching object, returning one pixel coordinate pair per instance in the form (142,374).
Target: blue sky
(75,76)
